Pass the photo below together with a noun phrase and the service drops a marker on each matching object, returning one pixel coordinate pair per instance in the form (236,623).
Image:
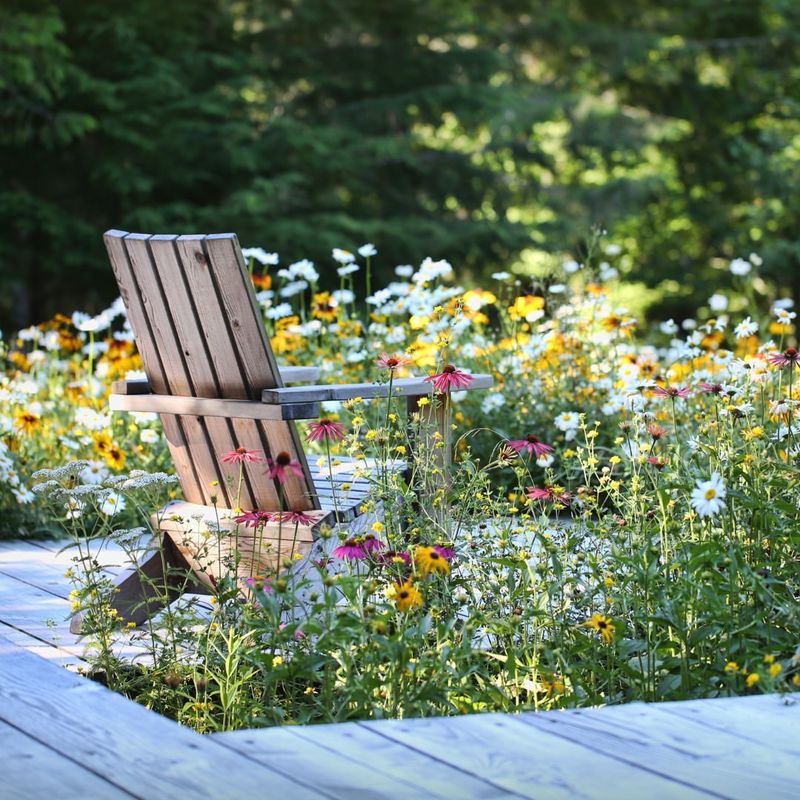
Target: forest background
(494,134)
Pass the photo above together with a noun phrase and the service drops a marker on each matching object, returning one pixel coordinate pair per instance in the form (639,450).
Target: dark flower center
(324,421)
(602,624)
(392,362)
(434,555)
(449,369)
(241,450)
(403,595)
(791,352)
(283,458)
(532,439)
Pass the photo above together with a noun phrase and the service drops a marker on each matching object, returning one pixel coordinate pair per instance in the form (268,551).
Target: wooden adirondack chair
(213,379)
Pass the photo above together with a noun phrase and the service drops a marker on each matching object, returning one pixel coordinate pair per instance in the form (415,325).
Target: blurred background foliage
(493,134)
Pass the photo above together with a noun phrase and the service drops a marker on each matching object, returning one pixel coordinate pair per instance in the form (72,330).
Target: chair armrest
(402,387)
(288,375)
(211,407)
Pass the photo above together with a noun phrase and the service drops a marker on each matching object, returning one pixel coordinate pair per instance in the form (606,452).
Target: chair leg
(142,591)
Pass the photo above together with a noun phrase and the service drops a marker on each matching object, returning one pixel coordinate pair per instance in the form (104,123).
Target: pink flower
(241,455)
(550,494)
(297,517)
(658,463)
(370,544)
(532,444)
(673,391)
(393,556)
(447,553)
(326,429)
(788,358)
(282,464)
(450,378)
(259,583)
(350,549)
(393,362)
(710,388)
(252,519)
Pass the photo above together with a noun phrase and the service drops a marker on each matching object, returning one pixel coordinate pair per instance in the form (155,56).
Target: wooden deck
(61,734)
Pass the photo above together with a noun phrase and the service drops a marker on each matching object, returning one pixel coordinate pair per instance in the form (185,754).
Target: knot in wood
(199,256)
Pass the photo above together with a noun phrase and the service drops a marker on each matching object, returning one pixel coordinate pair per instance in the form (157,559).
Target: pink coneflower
(393,557)
(280,465)
(658,463)
(350,549)
(393,362)
(550,494)
(258,582)
(450,378)
(532,444)
(673,391)
(326,430)
(447,553)
(241,455)
(252,519)
(656,431)
(788,358)
(710,388)
(296,517)
(370,544)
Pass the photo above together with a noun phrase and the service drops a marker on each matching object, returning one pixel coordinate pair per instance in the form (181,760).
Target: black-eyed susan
(430,560)
(406,596)
(603,625)
(114,456)
(27,422)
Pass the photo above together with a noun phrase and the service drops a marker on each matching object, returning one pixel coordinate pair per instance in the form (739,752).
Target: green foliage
(493,134)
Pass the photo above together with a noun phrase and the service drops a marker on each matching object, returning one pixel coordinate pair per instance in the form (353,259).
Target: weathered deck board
(531,763)
(349,761)
(679,748)
(33,770)
(132,748)
(84,741)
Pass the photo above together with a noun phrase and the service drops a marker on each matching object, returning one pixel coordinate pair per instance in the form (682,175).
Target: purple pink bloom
(551,494)
(532,444)
(326,430)
(673,391)
(393,362)
(450,378)
(788,358)
(710,388)
(352,548)
(281,465)
(241,455)
(252,519)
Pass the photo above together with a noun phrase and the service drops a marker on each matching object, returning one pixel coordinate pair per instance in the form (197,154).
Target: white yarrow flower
(740,266)
(718,302)
(367,250)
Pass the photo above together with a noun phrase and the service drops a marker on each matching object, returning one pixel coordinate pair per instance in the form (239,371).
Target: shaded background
(494,134)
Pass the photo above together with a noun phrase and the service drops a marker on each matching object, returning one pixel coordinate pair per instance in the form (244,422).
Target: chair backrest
(200,333)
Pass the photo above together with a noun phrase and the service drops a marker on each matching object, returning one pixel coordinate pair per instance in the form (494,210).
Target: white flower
(568,421)
(367,250)
(557,288)
(304,270)
(572,266)
(74,508)
(342,256)
(492,402)
(545,460)
(94,473)
(746,328)
(349,269)
(430,270)
(783,316)
(31,334)
(23,495)
(669,327)
(149,436)
(607,272)
(689,324)
(740,266)
(404,270)
(613,249)
(783,302)
(91,419)
(83,322)
(291,289)
(718,302)
(343,296)
(279,311)
(501,276)
(708,497)
(113,503)
(262,256)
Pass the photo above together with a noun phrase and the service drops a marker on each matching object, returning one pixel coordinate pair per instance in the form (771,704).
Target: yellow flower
(378,527)
(114,457)
(752,679)
(429,561)
(775,670)
(406,596)
(277,661)
(27,422)
(527,307)
(769,659)
(603,625)
(731,667)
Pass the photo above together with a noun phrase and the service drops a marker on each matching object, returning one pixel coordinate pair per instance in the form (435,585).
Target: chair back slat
(200,334)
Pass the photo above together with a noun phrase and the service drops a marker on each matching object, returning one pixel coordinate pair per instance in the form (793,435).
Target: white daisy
(708,497)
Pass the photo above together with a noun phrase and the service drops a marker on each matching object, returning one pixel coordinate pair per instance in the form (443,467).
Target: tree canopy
(493,134)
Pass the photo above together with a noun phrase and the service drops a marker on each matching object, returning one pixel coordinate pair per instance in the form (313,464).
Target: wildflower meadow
(616,519)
